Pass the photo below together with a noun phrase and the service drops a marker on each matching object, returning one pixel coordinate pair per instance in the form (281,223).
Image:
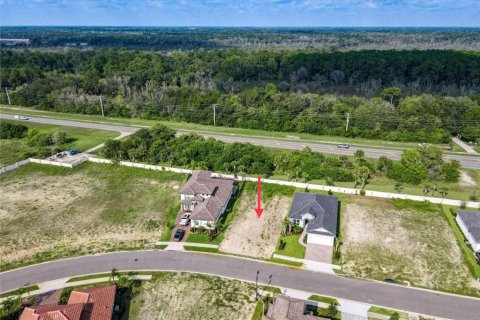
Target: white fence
(14,166)
(370,193)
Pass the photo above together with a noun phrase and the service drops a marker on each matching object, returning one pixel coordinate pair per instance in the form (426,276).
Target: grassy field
(192,296)
(61,212)
(411,242)
(360,142)
(468,183)
(13,150)
(292,247)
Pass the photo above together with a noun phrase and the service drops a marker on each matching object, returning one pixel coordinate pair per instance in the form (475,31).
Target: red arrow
(259,209)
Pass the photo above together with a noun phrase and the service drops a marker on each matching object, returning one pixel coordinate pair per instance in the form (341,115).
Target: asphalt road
(469,162)
(388,295)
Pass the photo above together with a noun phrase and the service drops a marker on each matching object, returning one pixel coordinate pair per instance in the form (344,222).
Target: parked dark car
(179,235)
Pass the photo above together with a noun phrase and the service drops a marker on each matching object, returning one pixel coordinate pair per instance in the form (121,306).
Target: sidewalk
(464,146)
(179,246)
(312,265)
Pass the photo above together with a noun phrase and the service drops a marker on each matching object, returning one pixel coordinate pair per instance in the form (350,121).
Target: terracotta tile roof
(88,304)
(219,190)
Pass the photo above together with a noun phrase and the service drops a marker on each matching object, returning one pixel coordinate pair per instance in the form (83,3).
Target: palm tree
(124,282)
(398,187)
(287,226)
(114,274)
(443,191)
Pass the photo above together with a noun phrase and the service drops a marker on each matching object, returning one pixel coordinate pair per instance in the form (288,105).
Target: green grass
(202,238)
(161,246)
(468,253)
(198,128)
(107,274)
(258,312)
(292,248)
(323,299)
(110,208)
(201,249)
(285,262)
(14,150)
(19,291)
(388,312)
(169,224)
(324,312)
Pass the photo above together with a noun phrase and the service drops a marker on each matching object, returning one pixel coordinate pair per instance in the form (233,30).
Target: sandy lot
(466,180)
(92,209)
(410,245)
(189,296)
(252,236)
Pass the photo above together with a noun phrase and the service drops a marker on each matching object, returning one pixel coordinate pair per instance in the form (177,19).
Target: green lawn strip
(258,312)
(201,249)
(202,238)
(468,253)
(169,224)
(324,312)
(285,262)
(388,312)
(161,246)
(292,247)
(19,291)
(323,299)
(108,274)
(199,128)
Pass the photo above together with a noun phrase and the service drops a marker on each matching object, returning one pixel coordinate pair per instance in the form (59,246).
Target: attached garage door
(320,239)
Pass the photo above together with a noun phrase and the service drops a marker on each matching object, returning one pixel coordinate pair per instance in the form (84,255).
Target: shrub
(463,205)
(65,295)
(297,229)
(10,130)
(362,192)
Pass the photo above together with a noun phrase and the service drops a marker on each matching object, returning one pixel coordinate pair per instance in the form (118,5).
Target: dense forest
(392,95)
(184,38)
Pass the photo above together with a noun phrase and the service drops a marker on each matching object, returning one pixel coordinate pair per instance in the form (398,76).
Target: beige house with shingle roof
(206,198)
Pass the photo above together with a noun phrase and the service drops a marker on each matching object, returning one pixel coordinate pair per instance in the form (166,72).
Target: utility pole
(214,114)
(101,106)
(256,286)
(8,96)
(348,121)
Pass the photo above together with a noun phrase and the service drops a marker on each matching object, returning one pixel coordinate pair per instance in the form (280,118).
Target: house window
(296,222)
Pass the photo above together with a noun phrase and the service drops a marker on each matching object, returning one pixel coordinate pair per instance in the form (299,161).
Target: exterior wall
(298,222)
(475,245)
(320,239)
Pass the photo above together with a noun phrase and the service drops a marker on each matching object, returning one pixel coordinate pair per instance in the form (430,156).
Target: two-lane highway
(467,161)
(377,293)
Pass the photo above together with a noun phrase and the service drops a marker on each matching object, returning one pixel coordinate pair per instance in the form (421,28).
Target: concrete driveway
(318,252)
(178,226)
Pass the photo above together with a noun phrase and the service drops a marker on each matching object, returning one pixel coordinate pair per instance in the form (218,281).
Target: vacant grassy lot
(253,236)
(190,296)
(51,212)
(13,150)
(410,242)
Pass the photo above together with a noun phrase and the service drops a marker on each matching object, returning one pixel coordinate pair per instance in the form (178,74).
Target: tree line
(158,145)
(294,91)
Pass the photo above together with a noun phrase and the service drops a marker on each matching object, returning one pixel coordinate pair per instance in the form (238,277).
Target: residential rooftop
(471,219)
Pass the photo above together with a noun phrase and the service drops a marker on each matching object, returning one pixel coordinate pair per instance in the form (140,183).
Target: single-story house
(469,223)
(85,304)
(287,308)
(317,213)
(206,198)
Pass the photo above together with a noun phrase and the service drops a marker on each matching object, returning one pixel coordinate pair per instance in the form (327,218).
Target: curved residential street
(467,161)
(377,293)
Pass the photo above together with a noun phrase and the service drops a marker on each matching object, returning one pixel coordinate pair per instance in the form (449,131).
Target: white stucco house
(206,198)
(317,213)
(469,223)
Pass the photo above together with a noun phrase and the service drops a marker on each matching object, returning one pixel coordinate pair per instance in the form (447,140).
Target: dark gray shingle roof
(471,219)
(324,209)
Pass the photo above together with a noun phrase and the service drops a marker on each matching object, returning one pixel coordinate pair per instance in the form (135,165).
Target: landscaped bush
(65,295)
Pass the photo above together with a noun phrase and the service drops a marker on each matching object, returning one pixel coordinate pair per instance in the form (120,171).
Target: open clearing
(51,212)
(252,236)
(410,242)
(192,296)
(13,150)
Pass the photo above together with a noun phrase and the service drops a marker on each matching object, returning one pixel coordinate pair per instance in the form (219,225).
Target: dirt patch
(466,180)
(189,296)
(263,232)
(416,246)
(93,209)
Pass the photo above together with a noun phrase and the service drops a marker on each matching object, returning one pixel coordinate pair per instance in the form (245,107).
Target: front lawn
(292,247)
(388,312)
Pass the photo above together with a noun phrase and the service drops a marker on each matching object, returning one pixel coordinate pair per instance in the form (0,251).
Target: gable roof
(86,304)
(471,219)
(288,308)
(324,210)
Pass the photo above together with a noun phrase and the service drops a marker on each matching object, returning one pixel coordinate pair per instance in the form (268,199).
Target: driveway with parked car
(181,223)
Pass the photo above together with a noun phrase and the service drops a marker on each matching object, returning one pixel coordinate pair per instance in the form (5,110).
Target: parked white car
(185,220)
(20,117)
